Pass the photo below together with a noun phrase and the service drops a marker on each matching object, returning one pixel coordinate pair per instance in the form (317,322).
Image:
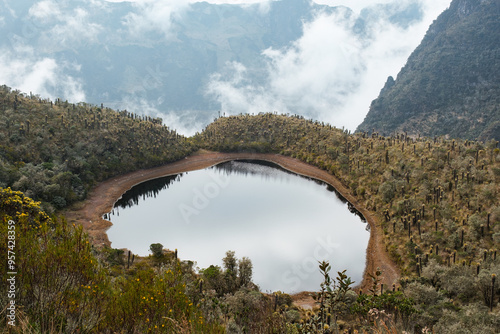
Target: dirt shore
(102,198)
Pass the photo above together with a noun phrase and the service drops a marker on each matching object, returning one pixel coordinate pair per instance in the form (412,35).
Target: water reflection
(283,222)
(145,190)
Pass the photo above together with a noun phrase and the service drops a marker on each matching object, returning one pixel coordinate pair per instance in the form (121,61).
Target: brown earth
(102,198)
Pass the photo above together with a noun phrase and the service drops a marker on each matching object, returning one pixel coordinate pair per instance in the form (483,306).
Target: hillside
(449,85)
(418,188)
(55,152)
(191,42)
(176,51)
(434,200)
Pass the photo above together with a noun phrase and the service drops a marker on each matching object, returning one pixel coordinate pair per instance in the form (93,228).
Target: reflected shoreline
(294,222)
(101,199)
(151,188)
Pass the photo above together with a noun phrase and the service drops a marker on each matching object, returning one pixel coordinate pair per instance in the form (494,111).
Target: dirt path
(102,198)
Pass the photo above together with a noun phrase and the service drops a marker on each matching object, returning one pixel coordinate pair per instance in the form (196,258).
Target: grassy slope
(56,152)
(451,184)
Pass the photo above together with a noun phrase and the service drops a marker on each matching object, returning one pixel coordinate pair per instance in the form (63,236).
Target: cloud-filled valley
(330,73)
(185,61)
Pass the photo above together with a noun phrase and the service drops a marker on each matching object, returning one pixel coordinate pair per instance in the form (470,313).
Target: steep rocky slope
(450,84)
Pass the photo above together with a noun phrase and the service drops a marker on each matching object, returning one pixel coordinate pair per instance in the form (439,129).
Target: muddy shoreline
(102,198)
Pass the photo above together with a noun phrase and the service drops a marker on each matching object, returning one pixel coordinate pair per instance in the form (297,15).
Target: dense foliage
(449,85)
(436,201)
(55,152)
(434,198)
(64,285)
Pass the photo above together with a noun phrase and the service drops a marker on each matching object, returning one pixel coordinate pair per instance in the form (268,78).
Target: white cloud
(78,27)
(188,126)
(186,123)
(355,5)
(329,73)
(26,62)
(237,95)
(311,76)
(45,10)
(234,2)
(59,28)
(161,16)
(23,70)
(154,15)
(305,74)
(5,7)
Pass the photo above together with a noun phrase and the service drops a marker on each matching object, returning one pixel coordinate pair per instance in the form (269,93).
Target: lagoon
(283,222)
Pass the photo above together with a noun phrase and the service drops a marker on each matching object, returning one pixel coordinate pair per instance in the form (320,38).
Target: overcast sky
(328,74)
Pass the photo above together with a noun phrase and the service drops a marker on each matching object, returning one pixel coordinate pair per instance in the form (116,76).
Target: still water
(283,222)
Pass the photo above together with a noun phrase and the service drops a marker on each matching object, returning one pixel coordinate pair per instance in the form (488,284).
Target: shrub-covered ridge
(434,198)
(55,152)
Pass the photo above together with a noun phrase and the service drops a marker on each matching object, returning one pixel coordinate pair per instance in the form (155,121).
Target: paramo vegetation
(55,152)
(436,200)
(66,286)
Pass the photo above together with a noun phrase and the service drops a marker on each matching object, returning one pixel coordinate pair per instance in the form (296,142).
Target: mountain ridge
(449,84)
(155,59)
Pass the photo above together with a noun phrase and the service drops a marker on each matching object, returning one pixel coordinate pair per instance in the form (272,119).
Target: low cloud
(238,95)
(45,10)
(234,2)
(23,70)
(161,16)
(156,16)
(5,7)
(186,123)
(355,5)
(330,73)
(26,62)
(73,28)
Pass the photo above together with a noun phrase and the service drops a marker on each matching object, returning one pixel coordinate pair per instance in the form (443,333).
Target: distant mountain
(451,83)
(154,56)
(130,53)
